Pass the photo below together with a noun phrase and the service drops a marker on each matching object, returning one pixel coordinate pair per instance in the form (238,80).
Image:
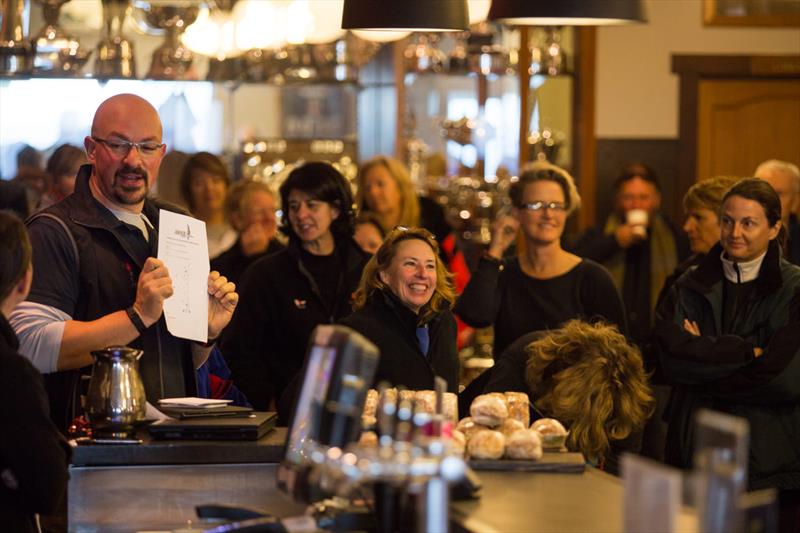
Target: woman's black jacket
(280,305)
(388,323)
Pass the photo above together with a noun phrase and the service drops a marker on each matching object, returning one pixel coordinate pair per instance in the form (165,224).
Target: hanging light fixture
(566,12)
(380,36)
(478,10)
(405,15)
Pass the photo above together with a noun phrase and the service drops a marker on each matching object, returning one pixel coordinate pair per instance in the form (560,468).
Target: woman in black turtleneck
(286,295)
(33,455)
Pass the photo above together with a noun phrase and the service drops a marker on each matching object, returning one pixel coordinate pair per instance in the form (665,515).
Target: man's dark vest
(109,264)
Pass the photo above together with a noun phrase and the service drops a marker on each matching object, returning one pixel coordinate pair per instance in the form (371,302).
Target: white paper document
(193,401)
(183,247)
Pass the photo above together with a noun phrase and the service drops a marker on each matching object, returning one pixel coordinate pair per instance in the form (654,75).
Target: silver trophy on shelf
(16,52)
(114,52)
(56,53)
(172,60)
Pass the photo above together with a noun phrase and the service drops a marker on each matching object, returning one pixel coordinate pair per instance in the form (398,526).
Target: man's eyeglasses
(121,148)
(552,206)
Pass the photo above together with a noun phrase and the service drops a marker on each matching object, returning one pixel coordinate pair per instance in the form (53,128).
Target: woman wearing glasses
(542,286)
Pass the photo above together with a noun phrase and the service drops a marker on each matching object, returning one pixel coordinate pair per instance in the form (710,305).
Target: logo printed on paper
(185,234)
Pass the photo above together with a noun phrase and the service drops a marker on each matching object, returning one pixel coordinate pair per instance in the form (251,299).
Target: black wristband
(136,320)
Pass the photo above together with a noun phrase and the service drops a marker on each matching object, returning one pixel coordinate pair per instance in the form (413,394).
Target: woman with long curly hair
(403,305)
(589,377)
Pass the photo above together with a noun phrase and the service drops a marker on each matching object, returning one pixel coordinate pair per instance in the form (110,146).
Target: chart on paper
(183,247)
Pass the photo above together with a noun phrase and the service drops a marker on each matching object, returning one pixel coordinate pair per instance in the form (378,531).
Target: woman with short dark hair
(727,335)
(33,455)
(284,296)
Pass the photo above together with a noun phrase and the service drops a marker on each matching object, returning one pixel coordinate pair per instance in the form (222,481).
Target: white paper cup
(638,218)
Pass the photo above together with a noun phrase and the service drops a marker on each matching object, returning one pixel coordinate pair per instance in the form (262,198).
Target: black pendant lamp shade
(405,15)
(566,12)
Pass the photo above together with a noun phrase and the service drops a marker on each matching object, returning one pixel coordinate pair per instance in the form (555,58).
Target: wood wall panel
(742,123)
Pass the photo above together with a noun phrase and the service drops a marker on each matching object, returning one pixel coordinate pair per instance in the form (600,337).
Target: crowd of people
(629,324)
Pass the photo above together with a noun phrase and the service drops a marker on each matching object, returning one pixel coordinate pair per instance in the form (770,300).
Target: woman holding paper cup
(543,285)
(287,294)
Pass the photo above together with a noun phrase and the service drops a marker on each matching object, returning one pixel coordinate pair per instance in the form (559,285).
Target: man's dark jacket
(718,370)
(104,266)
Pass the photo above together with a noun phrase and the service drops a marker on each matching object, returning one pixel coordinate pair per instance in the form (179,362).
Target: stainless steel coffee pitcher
(116,400)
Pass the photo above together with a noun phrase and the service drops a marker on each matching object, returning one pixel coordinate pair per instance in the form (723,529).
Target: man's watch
(136,320)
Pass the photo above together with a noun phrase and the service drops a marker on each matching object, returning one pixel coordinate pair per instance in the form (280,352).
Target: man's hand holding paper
(222,300)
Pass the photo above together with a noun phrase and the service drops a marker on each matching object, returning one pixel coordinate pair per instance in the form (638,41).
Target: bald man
(97,282)
(785,179)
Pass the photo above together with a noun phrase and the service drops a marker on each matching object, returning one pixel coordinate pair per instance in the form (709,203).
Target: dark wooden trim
(402,105)
(772,21)
(524,58)
(687,139)
(723,66)
(584,158)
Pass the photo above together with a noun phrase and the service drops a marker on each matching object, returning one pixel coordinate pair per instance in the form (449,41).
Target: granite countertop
(267,449)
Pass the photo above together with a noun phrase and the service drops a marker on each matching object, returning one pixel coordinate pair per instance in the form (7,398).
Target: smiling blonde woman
(403,305)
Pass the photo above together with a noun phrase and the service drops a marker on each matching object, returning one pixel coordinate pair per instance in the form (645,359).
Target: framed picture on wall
(751,13)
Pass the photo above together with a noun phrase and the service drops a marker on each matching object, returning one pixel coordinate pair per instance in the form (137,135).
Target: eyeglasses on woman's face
(559,207)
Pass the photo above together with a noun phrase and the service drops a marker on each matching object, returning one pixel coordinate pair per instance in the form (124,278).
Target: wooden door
(744,122)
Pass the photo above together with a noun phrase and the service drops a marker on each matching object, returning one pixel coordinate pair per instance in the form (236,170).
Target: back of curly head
(443,295)
(590,378)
